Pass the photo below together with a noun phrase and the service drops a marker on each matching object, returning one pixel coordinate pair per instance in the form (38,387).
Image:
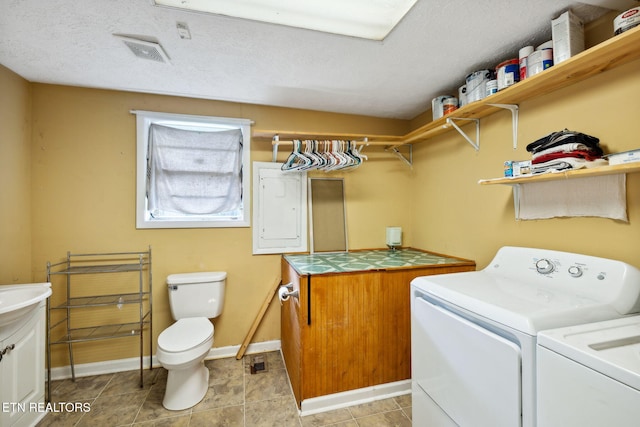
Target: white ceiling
(429,53)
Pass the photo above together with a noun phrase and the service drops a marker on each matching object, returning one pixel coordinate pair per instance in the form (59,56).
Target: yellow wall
(455,215)
(15,178)
(83,153)
(80,174)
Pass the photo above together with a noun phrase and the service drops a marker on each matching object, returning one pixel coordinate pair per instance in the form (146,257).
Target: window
(192,171)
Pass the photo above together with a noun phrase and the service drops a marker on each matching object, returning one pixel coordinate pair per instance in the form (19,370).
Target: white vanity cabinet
(22,370)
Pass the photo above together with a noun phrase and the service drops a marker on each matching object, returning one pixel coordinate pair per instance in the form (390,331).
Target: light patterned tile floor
(235,398)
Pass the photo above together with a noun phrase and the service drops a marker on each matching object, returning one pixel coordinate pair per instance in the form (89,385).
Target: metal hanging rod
(276,142)
(391,146)
(365,141)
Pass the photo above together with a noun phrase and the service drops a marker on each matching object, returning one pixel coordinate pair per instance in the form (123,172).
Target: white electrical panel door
(280,209)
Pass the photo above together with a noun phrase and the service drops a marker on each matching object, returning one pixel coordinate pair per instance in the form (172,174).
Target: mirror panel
(327,212)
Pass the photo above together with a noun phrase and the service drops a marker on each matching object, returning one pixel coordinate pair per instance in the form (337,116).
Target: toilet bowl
(182,347)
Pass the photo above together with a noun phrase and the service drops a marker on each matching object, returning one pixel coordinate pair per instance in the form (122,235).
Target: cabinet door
(343,340)
(22,372)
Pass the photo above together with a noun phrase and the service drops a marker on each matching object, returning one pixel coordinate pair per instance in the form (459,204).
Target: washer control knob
(575,271)
(544,266)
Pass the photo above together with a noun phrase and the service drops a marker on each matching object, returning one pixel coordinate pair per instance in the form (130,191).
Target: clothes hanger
(296,160)
(327,155)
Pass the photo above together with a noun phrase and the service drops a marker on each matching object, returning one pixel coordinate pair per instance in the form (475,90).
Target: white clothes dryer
(589,375)
(474,334)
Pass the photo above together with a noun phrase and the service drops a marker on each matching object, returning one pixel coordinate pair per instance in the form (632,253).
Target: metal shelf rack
(78,266)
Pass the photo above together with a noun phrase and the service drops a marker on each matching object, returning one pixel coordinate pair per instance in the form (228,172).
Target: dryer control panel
(574,275)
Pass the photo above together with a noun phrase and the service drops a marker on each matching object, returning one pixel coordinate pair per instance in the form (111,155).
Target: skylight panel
(369,19)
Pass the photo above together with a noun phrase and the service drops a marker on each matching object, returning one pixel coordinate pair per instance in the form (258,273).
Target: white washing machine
(474,334)
(589,375)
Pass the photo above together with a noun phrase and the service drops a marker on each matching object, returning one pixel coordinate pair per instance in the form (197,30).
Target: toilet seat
(185,335)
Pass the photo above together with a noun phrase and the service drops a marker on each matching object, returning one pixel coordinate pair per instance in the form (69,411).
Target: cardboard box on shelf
(522,167)
(624,157)
(567,32)
(517,168)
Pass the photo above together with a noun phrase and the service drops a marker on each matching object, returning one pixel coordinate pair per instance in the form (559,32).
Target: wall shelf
(569,174)
(610,54)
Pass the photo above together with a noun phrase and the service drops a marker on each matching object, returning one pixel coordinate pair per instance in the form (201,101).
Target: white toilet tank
(196,294)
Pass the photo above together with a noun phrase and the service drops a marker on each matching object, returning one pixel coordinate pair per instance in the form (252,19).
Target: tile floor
(235,398)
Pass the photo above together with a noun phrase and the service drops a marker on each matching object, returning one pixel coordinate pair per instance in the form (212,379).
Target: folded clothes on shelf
(566,164)
(565,150)
(562,137)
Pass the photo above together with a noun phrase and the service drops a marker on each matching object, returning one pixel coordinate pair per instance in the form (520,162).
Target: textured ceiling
(429,53)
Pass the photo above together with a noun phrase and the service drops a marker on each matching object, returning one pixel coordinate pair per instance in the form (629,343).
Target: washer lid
(611,347)
(185,334)
(199,277)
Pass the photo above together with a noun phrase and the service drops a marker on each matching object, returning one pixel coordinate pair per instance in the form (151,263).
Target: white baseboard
(354,397)
(133,363)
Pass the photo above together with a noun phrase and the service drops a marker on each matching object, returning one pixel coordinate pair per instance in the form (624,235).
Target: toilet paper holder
(286,291)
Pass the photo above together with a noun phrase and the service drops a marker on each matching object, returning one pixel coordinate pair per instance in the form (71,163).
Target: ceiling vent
(145,49)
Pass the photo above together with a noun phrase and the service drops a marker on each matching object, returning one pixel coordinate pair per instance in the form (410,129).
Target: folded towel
(566,163)
(595,196)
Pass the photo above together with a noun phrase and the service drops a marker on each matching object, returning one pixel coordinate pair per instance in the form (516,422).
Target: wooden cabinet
(350,330)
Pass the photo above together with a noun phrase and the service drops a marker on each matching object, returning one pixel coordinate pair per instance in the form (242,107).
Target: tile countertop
(376,259)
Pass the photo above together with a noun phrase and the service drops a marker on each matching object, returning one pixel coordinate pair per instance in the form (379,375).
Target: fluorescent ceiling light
(370,19)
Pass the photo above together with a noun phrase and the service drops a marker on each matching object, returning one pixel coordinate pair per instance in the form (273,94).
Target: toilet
(194,298)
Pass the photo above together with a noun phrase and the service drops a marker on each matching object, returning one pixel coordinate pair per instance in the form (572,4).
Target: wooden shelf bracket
(475,144)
